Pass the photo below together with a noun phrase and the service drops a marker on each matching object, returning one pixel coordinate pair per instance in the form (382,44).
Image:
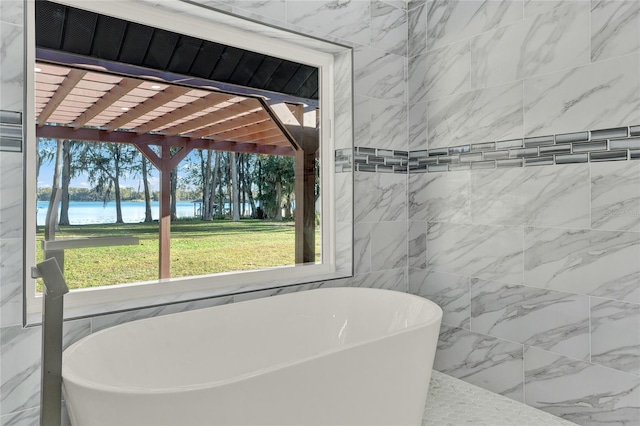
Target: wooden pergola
(90,105)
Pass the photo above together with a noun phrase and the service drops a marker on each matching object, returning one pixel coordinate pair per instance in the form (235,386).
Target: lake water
(85,212)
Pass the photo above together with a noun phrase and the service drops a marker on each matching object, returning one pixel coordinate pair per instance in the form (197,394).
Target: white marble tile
(533,7)
(556,196)
(546,319)
(362,121)
(581,261)
(344,248)
(398,4)
(343,124)
(391,279)
(379,74)
(418,67)
(12,11)
(278,291)
(10,282)
(343,186)
(11,192)
(597,96)
(388,125)
(388,245)
(30,417)
(580,392)
(547,42)
(417,29)
(615,335)
(484,361)
(615,195)
(343,77)
(488,252)
(274,9)
(417,126)
(449,21)
(450,292)
(448,71)
(439,197)
(496,196)
(348,20)
(11,66)
(615,28)
(20,368)
(417,241)
(486,115)
(389,28)
(380,197)
(362,248)
(110,320)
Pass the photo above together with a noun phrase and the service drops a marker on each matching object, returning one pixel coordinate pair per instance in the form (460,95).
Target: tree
(147,195)
(69,170)
(277,180)
(53,207)
(235,185)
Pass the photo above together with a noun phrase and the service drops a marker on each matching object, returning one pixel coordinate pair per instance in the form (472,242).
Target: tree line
(254,185)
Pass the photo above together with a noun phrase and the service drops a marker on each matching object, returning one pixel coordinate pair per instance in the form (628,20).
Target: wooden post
(165,214)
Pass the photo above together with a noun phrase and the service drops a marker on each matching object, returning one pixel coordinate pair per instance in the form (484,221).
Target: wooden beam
(117,92)
(255,129)
(161,98)
(67,85)
(185,111)
(149,154)
(251,118)
(213,117)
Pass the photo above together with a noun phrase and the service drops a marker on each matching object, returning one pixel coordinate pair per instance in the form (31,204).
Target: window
(265,166)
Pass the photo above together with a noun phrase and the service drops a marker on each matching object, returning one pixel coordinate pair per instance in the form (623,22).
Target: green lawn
(197,248)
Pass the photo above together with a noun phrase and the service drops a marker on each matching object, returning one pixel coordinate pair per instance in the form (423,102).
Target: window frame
(100,300)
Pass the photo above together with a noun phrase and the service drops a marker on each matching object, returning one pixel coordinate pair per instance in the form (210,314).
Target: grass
(197,248)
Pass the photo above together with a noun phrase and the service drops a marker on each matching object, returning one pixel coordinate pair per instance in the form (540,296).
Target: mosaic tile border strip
(615,144)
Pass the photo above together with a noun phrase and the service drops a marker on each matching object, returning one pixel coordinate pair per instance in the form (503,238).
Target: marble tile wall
(537,269)
(377,31)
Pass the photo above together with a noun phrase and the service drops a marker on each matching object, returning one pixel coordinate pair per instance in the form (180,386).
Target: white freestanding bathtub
(340,356)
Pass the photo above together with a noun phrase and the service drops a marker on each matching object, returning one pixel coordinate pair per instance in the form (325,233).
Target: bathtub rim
(88,384)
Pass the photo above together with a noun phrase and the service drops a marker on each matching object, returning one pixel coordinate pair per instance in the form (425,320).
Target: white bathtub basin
(343,356)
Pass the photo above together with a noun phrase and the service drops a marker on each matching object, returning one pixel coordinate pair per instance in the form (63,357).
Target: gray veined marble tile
(344,196)
(450,292)
(30,417)
(379,75)
(417,30)
(344,247)
(110,320)
(556,196)
(583,393)
(484,361)
(12,12)
(418,126)
(274,9)
(449,21)
(496,197)
(533,7)
(488,252)
(343,75)
(362,121)
(582,261)
(11,66)
(615,28)
(615,196)
(388,125)
(388,245)
(362,248)
(347,20)
(615,335)
(543,318)
(487,114)
(11,212)
(391,279)
(544,43)
(243,297)
(343,124)
(448,70)
(379,197)
(596,96)
(418,67)
(10,282)
(439,197)
(417,242)
(389,28)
